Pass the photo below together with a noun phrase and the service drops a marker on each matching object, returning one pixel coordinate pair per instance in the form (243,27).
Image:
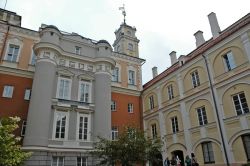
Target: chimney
(173,57)
(215,28)
(154,71)
(199,38)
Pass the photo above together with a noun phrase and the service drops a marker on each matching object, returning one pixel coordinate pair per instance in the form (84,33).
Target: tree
(10,151)
(130,148)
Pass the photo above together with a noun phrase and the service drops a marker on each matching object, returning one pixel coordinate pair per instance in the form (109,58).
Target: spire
(123,12)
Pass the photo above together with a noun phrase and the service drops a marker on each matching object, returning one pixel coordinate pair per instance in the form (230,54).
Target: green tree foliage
(10,152)
(129,149)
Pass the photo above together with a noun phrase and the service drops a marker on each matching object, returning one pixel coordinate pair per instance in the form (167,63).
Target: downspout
(4,43)
(216,110)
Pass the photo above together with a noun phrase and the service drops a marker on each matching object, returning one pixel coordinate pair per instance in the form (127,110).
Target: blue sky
(162,25)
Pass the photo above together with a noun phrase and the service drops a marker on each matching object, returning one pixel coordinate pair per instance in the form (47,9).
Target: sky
(162,26)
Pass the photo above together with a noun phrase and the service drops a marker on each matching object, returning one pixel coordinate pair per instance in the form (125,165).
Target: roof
(201,49)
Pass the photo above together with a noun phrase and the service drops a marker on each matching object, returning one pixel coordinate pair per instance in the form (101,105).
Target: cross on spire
(123,12)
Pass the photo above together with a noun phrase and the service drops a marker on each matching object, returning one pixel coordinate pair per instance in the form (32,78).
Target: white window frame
(151,102)
(82,162)
(114,133)
(229,61)
(170,92)
(58,88)
(27,94)
(24,124)
(113,105)
(115,74)
(201,112)
(131,78)
(77,50)
(154,130)
(79,115)
(7,52)
(56,114)
(89,91)
(33,58)
(174,124)
(57,160)
(195,78)
(8,91)
(241,111)
(130,108)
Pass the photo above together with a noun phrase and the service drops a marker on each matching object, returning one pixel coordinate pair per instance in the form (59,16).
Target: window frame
(210,152)
(77,50)
(8,93)
(174,124)
(245,146)
(170,92)
(131,78)
(115,74)
(203,121)
(58,87)
(56,114)
(151,102)
(195,78)
(33,58)
(240,102)
(27,94)
(57,160)
(229,61)
(83,139)
(85,83)
(7,53)
(113,105)
(130,108)
(154,131)
(114,133)
(130,47)
(82,163)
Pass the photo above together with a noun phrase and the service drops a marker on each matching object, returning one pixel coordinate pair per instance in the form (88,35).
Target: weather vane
(123,12)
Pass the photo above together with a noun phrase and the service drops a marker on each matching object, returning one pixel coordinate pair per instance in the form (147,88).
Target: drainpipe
(4,43)
(216,110)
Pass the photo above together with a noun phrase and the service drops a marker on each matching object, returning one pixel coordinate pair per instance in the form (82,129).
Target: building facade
(201,103)
(67,89)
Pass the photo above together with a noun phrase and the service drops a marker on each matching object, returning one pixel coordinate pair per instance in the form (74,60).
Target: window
(130,108)
(62,62)
(64,88)
(23,128)
(202,116)
(84,91)
(240,103)
(130,46)
(33,58)
(195,78)
(12,53)
(81,161)
(154,131)
(8,91)
(81,66)
(229,61)
(208,153)
(78,50)
(170,92)
(57,161)
(131,77)
(60,125)
(72,64)
(27,94)
(114,134)
(246,142)
(175,127)
(115,75)
(151,102)
(113,105)
(83,130)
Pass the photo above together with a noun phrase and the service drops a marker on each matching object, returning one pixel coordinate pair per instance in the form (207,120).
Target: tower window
(130,47)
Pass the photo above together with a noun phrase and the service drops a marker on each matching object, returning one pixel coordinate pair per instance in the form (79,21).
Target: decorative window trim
(240,102)
(8,91)
(61,113)
(58,87)
(89,93)
(79,115)
(15,42)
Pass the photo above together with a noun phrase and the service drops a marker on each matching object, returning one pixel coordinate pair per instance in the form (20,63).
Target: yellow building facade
(201,103)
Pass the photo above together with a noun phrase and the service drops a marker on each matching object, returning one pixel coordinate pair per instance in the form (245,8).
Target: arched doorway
(178,153)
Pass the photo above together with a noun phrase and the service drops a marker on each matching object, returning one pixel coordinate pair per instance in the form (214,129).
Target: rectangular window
(154,131)
(72,64)
(78,50)
(151,102)
(64,88)
(130,108)
(12,53)
(84,91)
(195,78)
(131,77)
(83,131)
(23,128)
(82,161)
(246,142)
(27,94)
(81,66)
(202,116)
(240,103)
(33,58)
(60,125)
(113,105)
(174,123)
(115,75)
(57,161)
(229,61)
(130,47)
(208,153)
(170,92)
(62,62)
(8,91)
(114,134)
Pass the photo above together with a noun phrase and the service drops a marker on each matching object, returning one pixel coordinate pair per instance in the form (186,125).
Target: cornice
(125,91)
(128,57)
(16,72)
